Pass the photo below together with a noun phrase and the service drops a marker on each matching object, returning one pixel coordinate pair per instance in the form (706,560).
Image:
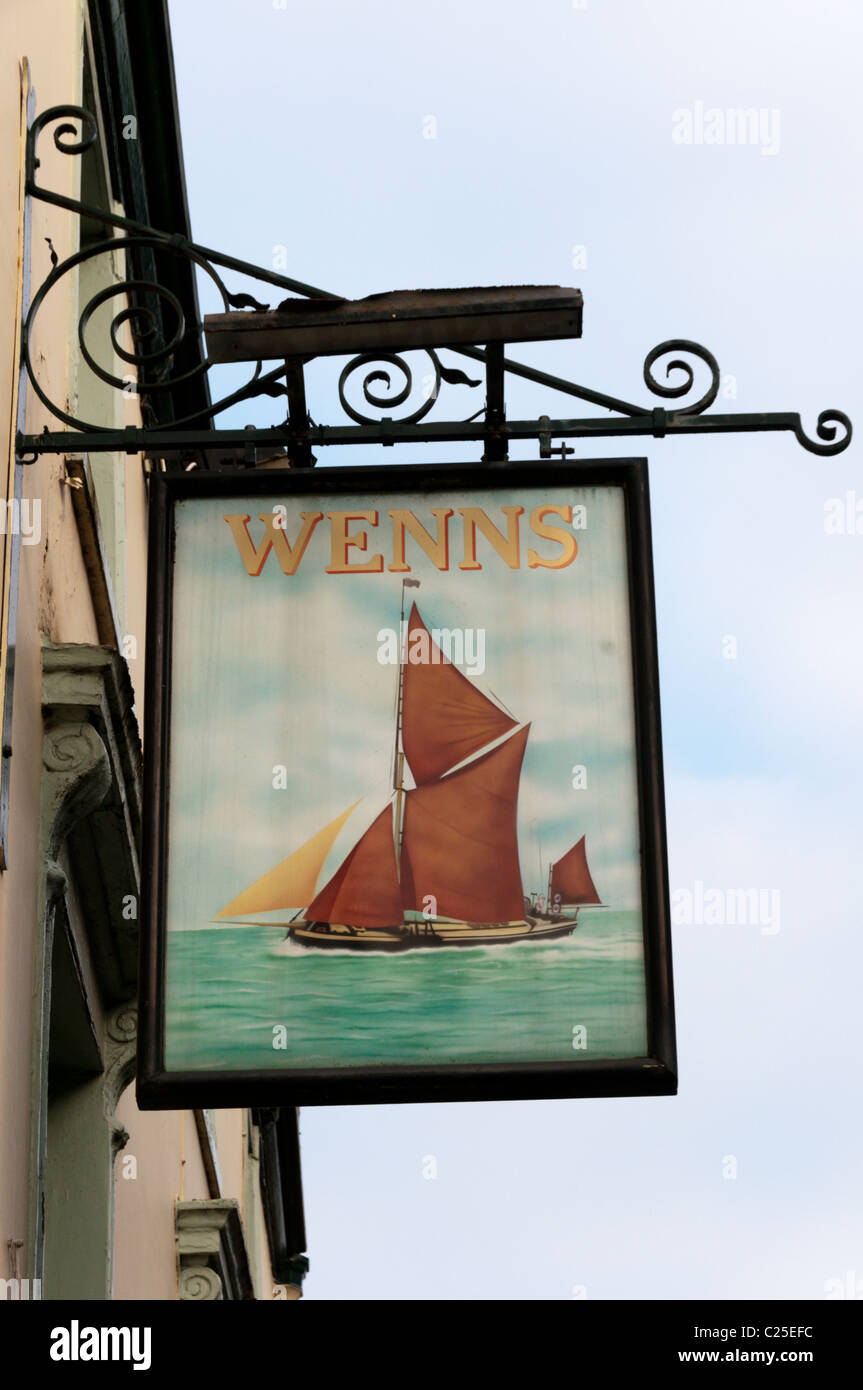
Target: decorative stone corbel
(77,778)
(199,1282)
(90,816)
(211,1251)
(91,800)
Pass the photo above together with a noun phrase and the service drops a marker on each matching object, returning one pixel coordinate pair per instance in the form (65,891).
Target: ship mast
(398,752)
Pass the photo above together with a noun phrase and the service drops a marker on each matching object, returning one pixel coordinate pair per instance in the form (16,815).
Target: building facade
(97,1199)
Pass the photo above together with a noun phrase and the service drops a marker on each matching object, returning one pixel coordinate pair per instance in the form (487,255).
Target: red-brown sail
(460,844)
(444,717)
(570,877)
(364,891)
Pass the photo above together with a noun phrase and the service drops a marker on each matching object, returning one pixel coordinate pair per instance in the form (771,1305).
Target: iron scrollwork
(152,364)
(451,375)
(826,425)
(825,428)
(153,353)
(159,331)
(680,364)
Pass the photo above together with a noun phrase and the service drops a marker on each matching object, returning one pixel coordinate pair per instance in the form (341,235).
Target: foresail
(445,718)
(364,891)
(293,882)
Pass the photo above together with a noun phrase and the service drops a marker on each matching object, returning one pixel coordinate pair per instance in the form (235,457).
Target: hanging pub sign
(404,806)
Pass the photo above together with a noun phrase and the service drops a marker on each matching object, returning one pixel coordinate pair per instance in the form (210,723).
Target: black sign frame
(652,1074)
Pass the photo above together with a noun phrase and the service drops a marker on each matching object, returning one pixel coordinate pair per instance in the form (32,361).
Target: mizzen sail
(570,877)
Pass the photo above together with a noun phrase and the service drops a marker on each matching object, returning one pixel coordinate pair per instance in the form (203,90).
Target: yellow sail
(293,882)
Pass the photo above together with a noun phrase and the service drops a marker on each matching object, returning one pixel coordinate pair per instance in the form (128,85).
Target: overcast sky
(560,156)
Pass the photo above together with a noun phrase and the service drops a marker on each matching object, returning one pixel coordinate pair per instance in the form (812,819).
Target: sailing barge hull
(336,937)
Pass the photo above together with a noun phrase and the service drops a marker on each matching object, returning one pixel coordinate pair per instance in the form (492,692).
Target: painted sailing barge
(444,850)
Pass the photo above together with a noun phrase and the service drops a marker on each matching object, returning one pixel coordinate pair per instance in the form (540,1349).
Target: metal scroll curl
(826,430)
(393,399)
(154,347)
(674,392)
(89,134)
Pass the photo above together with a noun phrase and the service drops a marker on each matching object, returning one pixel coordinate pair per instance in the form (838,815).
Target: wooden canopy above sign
(395,321)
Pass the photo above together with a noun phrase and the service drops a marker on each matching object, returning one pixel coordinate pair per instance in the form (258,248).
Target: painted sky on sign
(280,674)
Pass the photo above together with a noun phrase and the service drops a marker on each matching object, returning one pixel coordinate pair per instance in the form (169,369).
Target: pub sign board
(404,804)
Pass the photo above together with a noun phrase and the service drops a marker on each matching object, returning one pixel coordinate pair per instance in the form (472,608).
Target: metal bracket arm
(147,306)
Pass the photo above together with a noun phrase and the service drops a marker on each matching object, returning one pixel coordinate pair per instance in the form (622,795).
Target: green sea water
(230,989)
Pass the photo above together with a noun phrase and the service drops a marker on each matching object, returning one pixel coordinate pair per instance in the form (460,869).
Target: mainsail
(570,879)
(460,844)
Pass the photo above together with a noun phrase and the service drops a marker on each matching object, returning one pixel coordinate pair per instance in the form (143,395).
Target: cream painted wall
(55,600)
(167,1168)
(49,35)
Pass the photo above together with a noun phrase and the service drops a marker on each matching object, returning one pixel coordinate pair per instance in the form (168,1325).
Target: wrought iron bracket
(148,307)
